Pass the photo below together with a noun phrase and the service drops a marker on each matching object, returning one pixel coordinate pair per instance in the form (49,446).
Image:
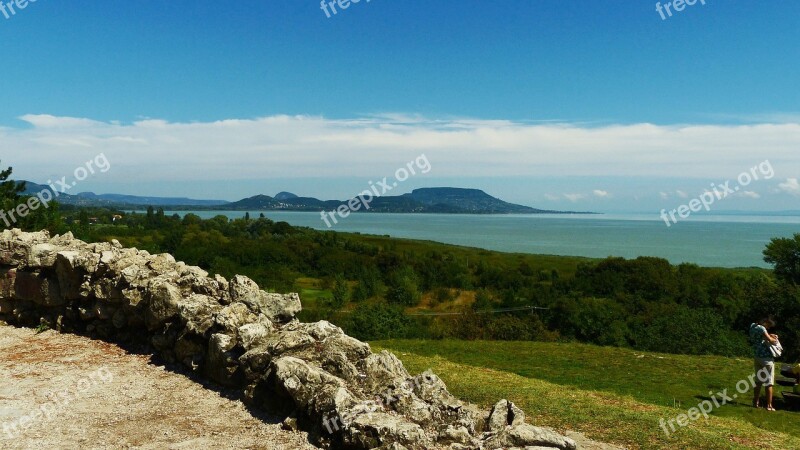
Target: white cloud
(682,194)
(663,195)
(552,197)
(791,186)
(751,194)
(601,194)
(151,150)
(574,197)
(44,121)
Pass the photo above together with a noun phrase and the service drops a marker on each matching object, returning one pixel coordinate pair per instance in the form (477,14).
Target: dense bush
(692,331)
(403,287)
(372,322)
(509,328)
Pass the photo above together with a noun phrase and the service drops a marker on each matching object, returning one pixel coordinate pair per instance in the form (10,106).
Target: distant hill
(92,199)
(63,198)
(467,200)
(447,200)
(444,200)
(155,201)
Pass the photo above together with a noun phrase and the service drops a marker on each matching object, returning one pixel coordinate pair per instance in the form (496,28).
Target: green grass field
(611,394)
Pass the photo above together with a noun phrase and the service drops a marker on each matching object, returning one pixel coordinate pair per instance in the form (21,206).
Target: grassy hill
(611,394)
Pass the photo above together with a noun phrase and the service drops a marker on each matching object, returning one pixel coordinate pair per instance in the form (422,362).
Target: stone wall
(241,337)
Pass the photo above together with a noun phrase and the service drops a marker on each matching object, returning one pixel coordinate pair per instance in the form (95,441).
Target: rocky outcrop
(234,333)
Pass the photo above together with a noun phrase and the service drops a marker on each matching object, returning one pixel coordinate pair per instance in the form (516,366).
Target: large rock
(233,317)
(16,247)
(37,288)
(41,256)
(277,307)
(378,429)
(503,414)
(280,307)
(7,278)
(525,435)
(164,301)
(383,370)
(255,334)
(222,365)
(71,269)
(198,314)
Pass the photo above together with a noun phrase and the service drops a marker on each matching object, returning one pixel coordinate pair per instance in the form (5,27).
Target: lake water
(720,241)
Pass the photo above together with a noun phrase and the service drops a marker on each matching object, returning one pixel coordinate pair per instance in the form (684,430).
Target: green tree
(404,287)
(151,217)
(369,283)
(10,196)
(784,255)
(340,291)
(359,293)
(482,301)
(378,321)
(191,219)
(83,219)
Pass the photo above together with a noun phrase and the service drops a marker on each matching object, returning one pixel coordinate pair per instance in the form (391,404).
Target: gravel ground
(70,392)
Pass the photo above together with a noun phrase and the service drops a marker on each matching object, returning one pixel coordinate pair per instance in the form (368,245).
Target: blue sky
(539,102)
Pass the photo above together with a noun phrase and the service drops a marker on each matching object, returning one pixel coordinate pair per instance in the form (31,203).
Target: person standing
(763,361)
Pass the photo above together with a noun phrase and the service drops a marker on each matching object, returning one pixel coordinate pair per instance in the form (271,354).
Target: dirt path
(65,391)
